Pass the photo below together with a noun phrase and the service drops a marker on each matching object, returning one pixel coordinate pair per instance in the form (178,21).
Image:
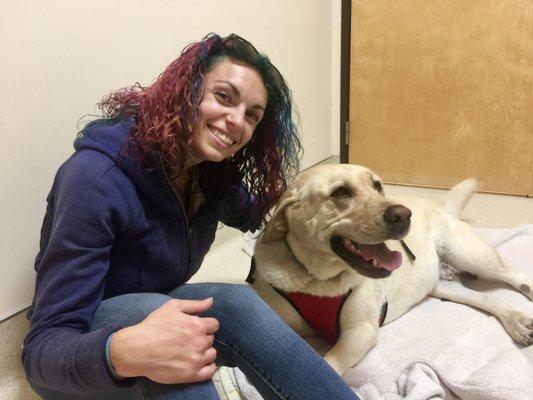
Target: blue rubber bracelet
(112,371)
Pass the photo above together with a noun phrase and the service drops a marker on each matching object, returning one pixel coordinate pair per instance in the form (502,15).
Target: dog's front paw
(519,326)
(338,365)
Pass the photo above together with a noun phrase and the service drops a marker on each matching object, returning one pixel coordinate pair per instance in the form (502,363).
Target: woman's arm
(238,209)
(88,208)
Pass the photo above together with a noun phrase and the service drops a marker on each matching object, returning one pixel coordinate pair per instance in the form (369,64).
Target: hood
(110,137)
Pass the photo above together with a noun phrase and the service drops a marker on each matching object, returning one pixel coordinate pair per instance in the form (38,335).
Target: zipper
(176,195)
(187,224)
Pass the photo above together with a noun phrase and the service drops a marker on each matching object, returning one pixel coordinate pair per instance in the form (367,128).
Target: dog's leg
(284,309)
(359,330)
(467,252)
(352,345)
(516,323)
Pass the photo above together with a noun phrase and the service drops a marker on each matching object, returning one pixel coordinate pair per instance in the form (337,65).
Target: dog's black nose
(398,218)
(397,214)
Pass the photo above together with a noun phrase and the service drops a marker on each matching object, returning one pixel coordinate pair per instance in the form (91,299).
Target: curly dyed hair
(168,110)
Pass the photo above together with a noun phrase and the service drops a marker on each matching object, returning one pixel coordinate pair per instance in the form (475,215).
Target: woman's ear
(277,227)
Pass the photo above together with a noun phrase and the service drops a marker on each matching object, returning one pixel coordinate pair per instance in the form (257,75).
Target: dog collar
(294,256)
(300,263)
(410,254)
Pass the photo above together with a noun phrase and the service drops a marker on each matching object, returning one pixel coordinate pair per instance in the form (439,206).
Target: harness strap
(253,265)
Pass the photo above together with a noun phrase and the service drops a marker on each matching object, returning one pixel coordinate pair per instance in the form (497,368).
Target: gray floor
(227,262)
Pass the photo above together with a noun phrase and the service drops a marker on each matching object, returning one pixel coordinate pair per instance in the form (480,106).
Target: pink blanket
(468,350)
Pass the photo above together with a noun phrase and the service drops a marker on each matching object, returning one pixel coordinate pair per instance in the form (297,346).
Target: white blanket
(446,350)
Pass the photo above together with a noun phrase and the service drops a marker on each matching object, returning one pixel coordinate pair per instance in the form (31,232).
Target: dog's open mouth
(370,260)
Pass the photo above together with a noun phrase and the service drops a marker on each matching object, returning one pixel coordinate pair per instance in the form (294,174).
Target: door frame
(346,29)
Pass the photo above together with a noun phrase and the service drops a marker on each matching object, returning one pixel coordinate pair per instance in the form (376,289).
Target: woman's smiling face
(233,103)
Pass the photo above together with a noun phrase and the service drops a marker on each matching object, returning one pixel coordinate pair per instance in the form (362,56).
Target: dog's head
(341,209)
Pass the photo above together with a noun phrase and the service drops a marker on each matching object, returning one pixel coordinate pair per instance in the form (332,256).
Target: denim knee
(127,309)
(225,295)
(244,302)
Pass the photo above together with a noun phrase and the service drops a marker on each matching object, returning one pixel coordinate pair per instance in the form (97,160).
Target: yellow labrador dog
(338,259)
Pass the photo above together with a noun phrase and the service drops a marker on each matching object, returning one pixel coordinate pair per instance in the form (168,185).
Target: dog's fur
(296,254)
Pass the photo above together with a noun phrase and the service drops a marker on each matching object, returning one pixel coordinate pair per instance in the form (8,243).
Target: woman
(131,215)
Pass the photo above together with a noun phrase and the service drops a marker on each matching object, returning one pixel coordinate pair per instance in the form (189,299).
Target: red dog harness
(321,313)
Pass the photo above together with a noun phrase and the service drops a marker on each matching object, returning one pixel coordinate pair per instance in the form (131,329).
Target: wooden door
(442,90)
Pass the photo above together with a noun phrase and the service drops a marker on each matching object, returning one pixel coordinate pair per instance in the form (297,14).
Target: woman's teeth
(224,138)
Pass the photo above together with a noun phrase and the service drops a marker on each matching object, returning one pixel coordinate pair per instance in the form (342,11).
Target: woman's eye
(223,96)
(253,117)
(342,192)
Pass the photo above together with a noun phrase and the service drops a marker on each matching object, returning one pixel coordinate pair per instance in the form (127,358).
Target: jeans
(251,336)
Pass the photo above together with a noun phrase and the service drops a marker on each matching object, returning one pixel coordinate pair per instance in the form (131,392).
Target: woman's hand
(171,345)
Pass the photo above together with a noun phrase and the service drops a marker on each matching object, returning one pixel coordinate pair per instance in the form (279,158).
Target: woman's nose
(235,118)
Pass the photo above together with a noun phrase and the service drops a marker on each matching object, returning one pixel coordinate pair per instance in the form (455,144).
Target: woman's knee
(228,298)
(127,309)
(234,305)
(240,295)
(242,303)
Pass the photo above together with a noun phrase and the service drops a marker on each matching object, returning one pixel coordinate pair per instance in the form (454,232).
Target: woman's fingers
(191,306)
(211,325)
(210,356)
(172,345)
(204,373)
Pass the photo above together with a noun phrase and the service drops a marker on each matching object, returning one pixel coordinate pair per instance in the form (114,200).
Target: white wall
(336,9)
(60,57)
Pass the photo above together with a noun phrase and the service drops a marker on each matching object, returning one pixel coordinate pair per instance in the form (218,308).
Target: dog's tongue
(390,260)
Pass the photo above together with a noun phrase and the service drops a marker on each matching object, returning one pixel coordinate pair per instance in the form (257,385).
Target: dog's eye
(378,186)
(342,192)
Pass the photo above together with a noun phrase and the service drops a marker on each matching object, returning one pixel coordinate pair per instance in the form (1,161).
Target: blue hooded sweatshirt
(111,227)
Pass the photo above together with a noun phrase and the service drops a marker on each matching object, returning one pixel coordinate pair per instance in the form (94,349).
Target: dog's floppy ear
(277,227)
